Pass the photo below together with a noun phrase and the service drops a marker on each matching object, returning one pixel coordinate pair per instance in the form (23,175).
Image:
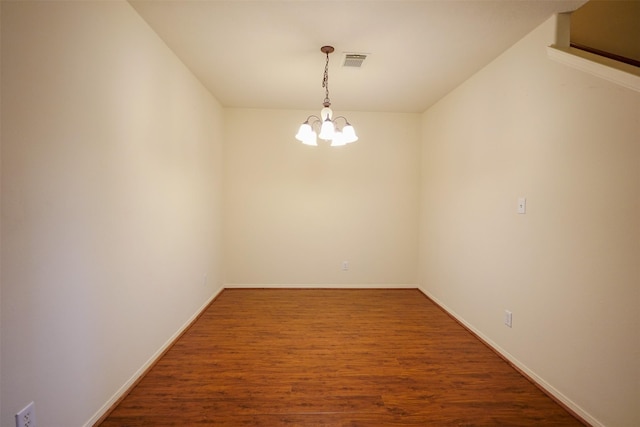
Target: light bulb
(326,113)
(311,139)
(338,139)
(303,131)
(327,130)
(349,134)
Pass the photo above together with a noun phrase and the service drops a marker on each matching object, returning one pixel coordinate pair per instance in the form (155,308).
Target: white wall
(111,203)
(111,192)
(569,269)
(293,212)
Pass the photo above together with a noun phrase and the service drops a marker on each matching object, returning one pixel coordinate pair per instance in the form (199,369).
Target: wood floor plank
(332,357)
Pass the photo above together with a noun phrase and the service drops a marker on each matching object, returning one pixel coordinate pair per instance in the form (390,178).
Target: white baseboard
(321,286)
(521,366)
(136,376)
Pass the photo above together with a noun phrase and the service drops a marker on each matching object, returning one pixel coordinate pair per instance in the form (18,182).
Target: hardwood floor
(329,357)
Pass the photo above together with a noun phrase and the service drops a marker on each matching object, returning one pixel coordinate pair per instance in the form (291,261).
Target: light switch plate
(522,205)
(508,318)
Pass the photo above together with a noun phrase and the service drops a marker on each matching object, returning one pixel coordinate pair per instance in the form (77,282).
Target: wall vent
(354,59)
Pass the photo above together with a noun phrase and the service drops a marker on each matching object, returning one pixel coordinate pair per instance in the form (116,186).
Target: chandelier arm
(315,123)
(313,116)
(346,122)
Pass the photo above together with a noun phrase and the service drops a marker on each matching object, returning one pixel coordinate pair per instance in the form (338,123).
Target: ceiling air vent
(354,59)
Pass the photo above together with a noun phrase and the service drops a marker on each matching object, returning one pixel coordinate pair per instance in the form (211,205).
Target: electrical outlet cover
(27,416)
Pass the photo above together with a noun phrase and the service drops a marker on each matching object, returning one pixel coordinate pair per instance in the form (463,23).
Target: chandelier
(326,127)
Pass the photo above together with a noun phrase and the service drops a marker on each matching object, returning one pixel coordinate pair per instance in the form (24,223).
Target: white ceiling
(266,54)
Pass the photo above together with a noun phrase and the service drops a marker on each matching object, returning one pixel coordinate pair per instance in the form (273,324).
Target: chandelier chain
(325,80)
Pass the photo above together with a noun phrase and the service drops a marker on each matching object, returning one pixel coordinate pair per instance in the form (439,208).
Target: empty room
(320,213)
